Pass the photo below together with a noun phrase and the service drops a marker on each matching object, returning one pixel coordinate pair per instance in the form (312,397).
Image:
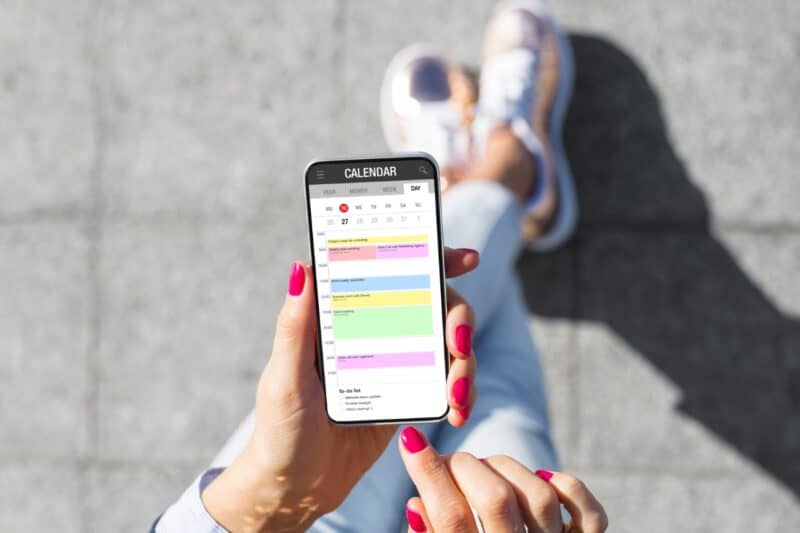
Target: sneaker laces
(437,129)
(507,96)
(508,84)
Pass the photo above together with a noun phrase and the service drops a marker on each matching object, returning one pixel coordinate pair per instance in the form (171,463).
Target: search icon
(423,170)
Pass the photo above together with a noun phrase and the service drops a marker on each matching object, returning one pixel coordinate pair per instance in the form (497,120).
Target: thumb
(294,348)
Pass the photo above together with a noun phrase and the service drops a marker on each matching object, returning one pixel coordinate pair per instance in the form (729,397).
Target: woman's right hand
(505,495)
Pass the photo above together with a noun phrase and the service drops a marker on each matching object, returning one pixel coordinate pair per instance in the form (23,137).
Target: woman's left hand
(297,464)
(505,495)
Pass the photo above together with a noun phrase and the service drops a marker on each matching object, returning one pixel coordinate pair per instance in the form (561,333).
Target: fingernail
(461,391)
(464,412)
(545,475)
(464,339)
(413,440)
(469,250)
(297,279)
(415,519)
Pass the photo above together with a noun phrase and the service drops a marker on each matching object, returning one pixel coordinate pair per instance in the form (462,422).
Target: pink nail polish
(464,412)
(464,339)
(413,440)
(545,475)
(415,520)
(297,279)
(461,391)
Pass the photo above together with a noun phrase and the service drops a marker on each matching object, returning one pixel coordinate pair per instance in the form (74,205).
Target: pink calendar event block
(402,251)
(351,253)
(383,251)
(383,360)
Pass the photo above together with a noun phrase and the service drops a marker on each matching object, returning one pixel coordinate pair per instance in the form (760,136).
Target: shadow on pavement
(645,264)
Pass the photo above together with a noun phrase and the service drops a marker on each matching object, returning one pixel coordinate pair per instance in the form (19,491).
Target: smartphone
(375,234)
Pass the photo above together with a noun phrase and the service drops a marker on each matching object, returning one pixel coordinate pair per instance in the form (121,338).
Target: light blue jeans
(510,416)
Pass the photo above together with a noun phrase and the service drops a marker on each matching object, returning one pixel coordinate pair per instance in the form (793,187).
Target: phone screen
(377,253)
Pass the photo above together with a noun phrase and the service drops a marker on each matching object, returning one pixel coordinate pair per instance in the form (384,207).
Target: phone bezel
(380,158)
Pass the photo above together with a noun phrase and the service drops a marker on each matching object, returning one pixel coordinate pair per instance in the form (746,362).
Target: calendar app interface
(377,257)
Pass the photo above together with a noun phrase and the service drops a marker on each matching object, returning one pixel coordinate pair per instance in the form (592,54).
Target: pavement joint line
(589,227)
(92,219)
(676,227)
(85,463)
(94,288)
(200,463)
(45,215)
(699,473)
(339,24)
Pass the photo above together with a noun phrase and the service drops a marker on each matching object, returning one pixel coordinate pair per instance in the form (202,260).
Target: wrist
(251,495)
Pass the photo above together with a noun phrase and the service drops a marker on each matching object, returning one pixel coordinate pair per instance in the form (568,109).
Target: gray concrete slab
(769,261)
(113,490)
(556,344)
(170,419)
(40,497)
(46,107)
(214,110)
(678,407)
(673,280)
(722,81)
(44,340)
(550,283)
(662,503)
(197,296)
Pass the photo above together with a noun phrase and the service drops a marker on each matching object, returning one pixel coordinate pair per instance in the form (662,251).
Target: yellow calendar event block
(378,240)
(381,299)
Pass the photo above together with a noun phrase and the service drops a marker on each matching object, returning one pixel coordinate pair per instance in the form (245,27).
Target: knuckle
(595,520)
(431,466)
(287,321)
(503,460)
(468,312)
(280,397)
(455,517)
(572,485)
(497,500)
(459,460)
(544,503)
(292,326)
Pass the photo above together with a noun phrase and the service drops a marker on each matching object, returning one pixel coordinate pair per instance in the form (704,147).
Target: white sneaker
(423,107)
(526,82)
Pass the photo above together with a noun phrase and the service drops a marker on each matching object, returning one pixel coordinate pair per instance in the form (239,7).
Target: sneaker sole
(567,215)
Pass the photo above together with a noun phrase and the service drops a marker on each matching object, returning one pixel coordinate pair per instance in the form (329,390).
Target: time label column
(325,305)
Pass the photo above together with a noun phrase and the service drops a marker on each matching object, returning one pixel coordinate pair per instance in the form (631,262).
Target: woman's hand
(505,495)
(297,464)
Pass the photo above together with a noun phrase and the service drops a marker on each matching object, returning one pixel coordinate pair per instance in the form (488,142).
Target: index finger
(459,261)
(446,507)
